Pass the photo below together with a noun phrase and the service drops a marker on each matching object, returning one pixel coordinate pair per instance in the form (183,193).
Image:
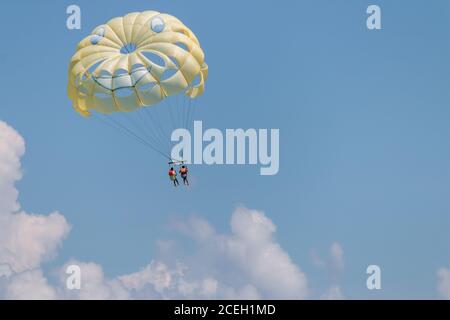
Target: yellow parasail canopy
(135,61)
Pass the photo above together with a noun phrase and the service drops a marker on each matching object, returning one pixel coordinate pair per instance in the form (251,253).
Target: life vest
(172,173)
(183,170)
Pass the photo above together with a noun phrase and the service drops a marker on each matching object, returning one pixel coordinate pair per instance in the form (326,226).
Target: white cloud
(443,287)
(335,261)
(25,240)
(245,263)
(252,247)
(94,284)
(29,285)
(156,274)
(28,240)
(335,265)
(12,147)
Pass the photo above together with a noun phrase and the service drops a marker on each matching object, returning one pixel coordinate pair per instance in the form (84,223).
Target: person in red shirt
(173,177)
(184,172)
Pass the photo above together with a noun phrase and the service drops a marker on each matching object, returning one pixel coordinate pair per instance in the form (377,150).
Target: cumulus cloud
(12,148)
(29,285)
(94,284)
(252,246)
(337,256)
(26,240)
(245,263)
(156,273)
(443,286)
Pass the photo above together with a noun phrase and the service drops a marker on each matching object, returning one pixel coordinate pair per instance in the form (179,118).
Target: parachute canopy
(135,61)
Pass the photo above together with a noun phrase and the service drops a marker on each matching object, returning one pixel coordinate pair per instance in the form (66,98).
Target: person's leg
(187,181)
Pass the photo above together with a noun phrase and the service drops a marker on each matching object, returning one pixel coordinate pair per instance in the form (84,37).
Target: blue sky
(364,135)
